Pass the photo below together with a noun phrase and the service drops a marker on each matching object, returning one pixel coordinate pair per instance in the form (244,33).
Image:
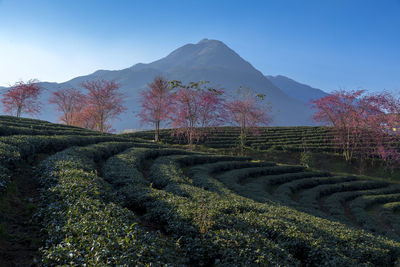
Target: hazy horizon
(328,45)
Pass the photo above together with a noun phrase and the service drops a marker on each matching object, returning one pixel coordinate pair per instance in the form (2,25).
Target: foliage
(22,97)
(103,103)
(70,102)
(195,105)
(362,124)
(157,103)
(246,111)
(306,159)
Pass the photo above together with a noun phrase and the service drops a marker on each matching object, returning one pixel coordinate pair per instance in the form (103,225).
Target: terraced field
(117,200)
(289,138)
(23,144)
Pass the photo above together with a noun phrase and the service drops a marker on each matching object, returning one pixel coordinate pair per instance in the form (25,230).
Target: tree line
(363,125)
(366,126)
(193,109)
(94,109)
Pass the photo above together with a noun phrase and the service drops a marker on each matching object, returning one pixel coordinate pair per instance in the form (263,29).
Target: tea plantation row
(181,213)
(297,139)
(111,200)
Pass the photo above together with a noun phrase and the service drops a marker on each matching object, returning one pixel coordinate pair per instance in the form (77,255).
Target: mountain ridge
(299,91)
(208,60)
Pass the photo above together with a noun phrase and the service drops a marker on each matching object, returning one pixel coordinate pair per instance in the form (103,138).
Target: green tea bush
(312,196)
(83,224)
(217,226)
(360,205)
(336,201)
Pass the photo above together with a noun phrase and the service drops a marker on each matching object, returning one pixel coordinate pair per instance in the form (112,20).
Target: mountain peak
(207,60)
(207,53)
(204,40)
(210,41)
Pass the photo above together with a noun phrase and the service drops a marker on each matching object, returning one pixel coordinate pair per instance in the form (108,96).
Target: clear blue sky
(329,44)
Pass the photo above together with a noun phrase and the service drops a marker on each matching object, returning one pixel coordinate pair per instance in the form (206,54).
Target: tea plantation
(278,138)
(71,196)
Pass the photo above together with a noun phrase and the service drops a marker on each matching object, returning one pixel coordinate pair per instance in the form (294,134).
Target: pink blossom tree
(196,107)
(340,110)
(247,111)
(392,106)
(212,109)
(157,103)
(22,97)
(386,129)
(70,103)
(361,124)
(88,117)
(103,103)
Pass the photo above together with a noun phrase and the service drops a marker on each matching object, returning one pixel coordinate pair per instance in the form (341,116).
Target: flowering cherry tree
(341,111)
(157,103)
(247,111)
(87,118)
(70,102)
(361,124)
(388,138)
(22,97)
(212,109)
(103,103)
(196,105)
(392,106)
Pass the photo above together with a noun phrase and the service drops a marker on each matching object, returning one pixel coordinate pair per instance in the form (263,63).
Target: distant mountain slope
(209,60)
(296,90)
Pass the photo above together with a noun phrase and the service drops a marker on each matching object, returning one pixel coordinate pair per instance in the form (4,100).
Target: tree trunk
(243,135)
(191,133)
(19,112)
(157,133)
(102,124)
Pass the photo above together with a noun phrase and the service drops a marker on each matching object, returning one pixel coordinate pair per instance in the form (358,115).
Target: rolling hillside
(73,197)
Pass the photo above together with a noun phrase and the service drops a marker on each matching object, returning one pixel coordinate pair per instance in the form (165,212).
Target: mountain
(296,90)
(208,60)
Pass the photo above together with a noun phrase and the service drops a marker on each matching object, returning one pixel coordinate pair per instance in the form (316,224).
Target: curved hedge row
(289,138)
(217,226)
(84,224)
(21,126)
(359,207)
(312,196)
(391,213)
(16,148)
(196,246)
(295,139)
(336,201)
(117,200)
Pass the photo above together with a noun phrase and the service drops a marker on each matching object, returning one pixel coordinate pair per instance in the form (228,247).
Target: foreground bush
(214,225)
(84,225)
